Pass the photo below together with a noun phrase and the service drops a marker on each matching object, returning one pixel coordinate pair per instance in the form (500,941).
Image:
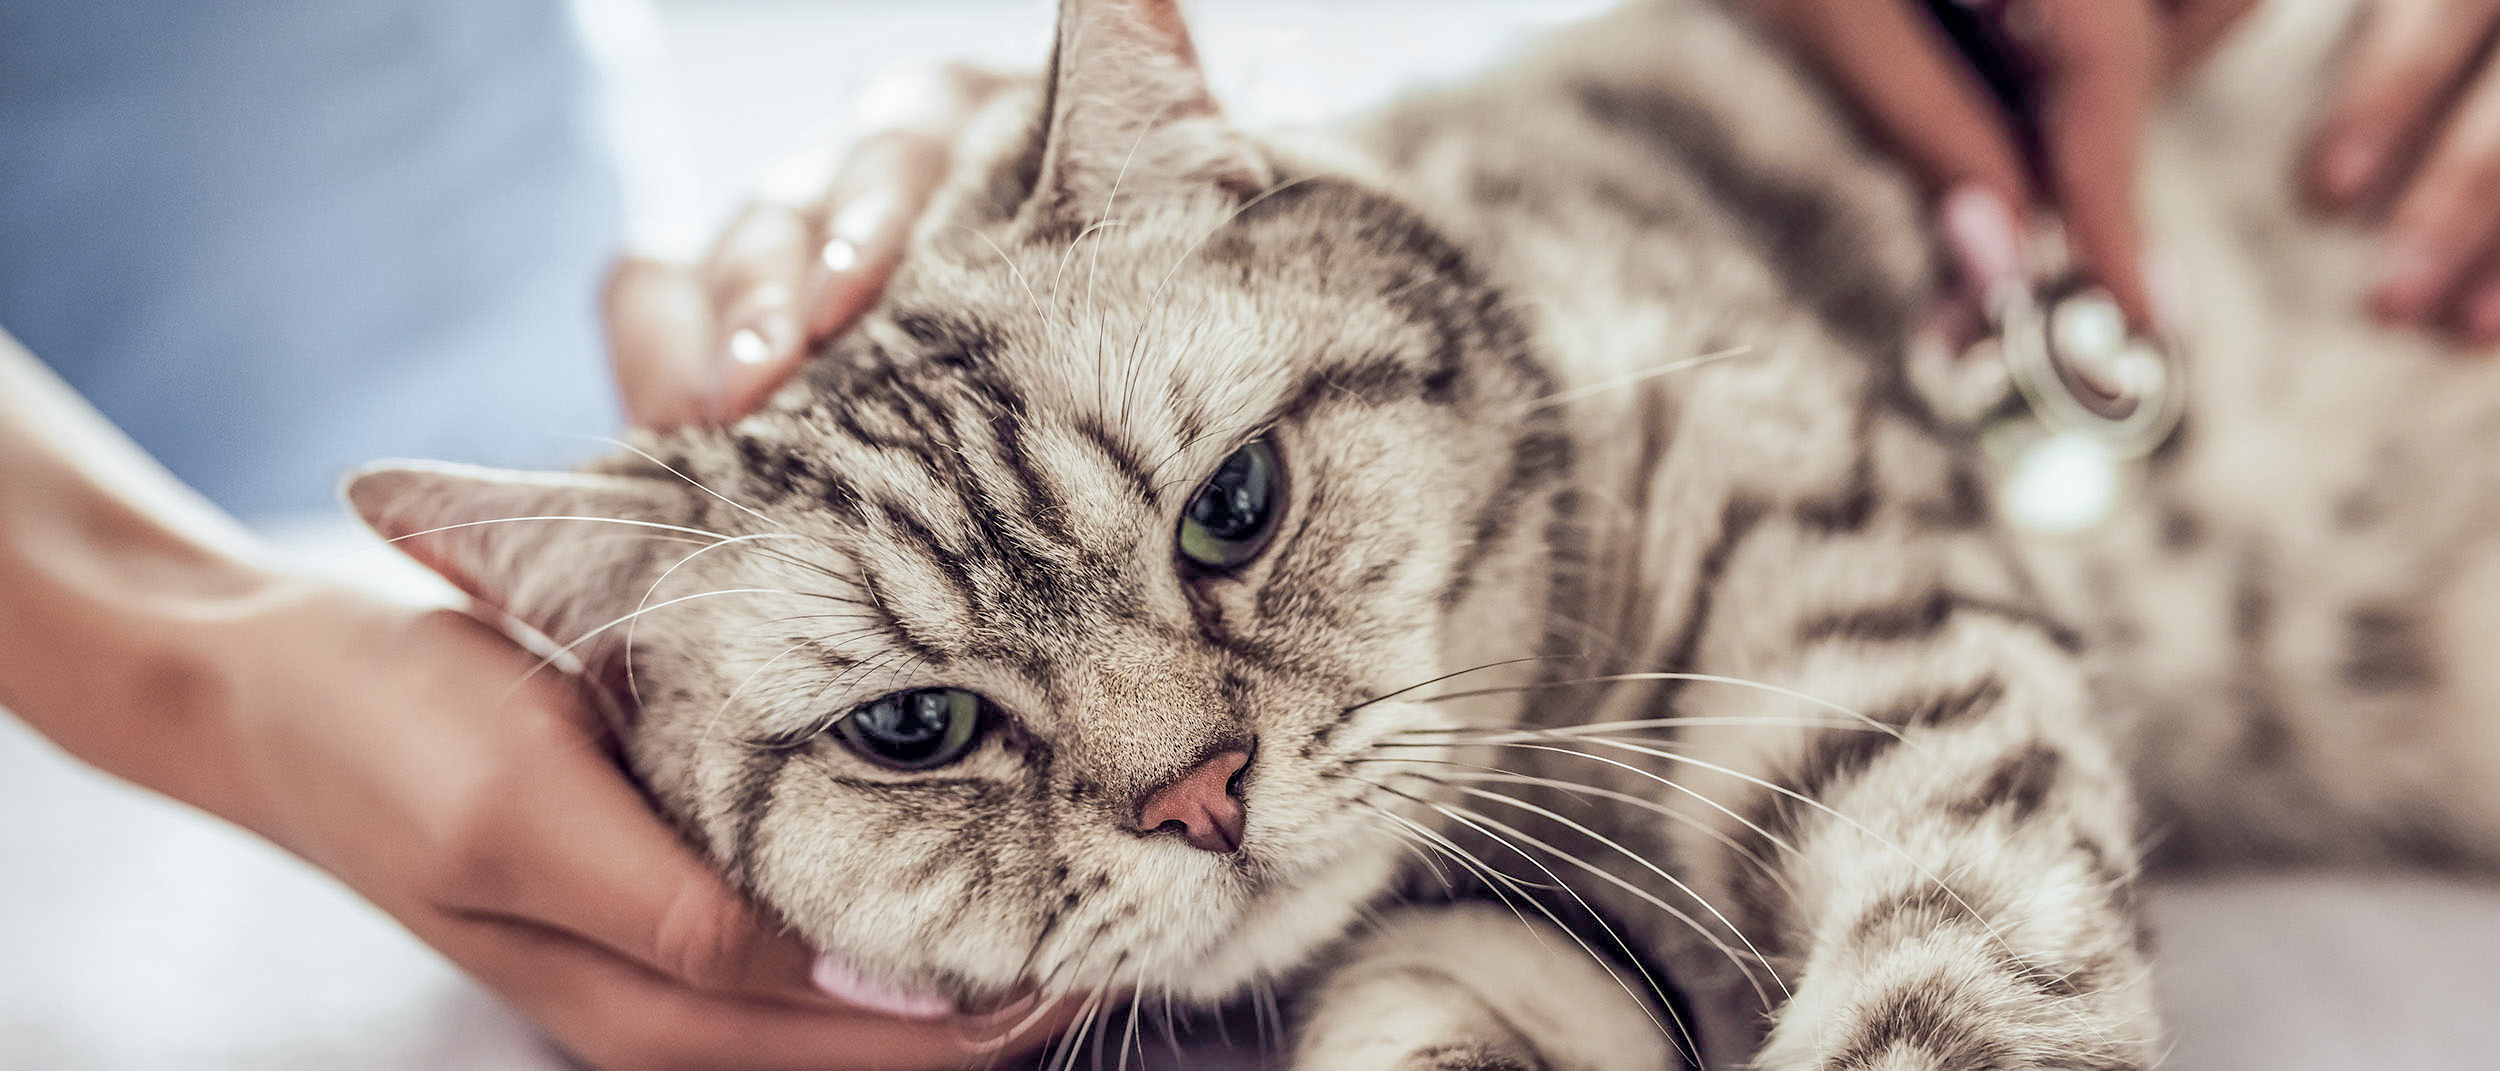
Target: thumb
(577,849)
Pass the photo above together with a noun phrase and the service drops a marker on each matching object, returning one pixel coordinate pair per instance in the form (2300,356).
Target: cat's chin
(1287,925)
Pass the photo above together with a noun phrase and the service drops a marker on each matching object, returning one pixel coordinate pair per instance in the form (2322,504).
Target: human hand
(707,343)
(2414,127)
(447,777)
(2093,68)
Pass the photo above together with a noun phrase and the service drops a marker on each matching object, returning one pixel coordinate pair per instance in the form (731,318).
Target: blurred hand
(2415,127)
(418,757)
(707,343)
(2095,67)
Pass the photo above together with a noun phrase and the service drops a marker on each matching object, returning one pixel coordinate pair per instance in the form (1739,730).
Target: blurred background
(276,240)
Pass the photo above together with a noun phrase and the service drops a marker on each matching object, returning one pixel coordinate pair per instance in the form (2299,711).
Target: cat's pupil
(916,729)
(1230,518)
(1231,506)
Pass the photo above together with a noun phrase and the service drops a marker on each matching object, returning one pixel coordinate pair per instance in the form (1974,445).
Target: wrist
(114,642)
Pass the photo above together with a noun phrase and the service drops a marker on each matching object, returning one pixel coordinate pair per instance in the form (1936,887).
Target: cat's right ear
(565,553)
(1128,117)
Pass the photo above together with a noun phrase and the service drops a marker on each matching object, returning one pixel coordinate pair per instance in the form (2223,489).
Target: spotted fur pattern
(1639,676)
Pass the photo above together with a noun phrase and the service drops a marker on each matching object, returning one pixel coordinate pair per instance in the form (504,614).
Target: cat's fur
(1910,841)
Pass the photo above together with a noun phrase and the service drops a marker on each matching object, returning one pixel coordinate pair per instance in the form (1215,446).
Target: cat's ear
(565,553)
(1128,108)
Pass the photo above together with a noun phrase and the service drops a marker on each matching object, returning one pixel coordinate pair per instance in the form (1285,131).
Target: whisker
(1471,862)
(1611,728)
(1698,678)
(1507,833)
(672,470)
(1446,676)
(681,529)
(1635,857)
(1783,790)
(1705,800)
(632,685)
(1473,772)
(1613,383)
(1012,270)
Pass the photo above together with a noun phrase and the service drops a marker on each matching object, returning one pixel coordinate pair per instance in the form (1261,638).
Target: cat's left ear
(1128,109)
(566,553)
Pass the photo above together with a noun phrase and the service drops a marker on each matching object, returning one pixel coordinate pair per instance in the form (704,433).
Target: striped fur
(1622,581)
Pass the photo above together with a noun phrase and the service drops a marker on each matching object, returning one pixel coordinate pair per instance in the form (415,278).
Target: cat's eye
(1231,517)
(915,730)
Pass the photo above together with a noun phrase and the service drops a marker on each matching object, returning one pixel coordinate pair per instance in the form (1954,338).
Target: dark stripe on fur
(2388,651)
(1815,247)
(1925,615)
(1737,520)
(1927,1017)
(2019,784)
(1538,457)
(1122,455)
(751,800)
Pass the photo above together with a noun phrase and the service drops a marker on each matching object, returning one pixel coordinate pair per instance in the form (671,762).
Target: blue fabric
(273,239)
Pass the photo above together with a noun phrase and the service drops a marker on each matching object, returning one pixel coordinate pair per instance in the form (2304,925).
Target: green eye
(915,730)
(1230,519)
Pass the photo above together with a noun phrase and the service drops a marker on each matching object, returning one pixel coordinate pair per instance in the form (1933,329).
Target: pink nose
(1200,806)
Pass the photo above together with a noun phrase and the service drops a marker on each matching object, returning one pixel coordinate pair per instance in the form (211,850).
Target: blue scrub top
(275,239)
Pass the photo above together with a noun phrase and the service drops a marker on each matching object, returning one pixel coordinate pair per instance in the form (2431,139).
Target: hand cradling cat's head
(1038,634)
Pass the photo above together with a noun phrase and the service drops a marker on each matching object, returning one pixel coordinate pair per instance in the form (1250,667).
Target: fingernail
(859,221)
(2345,171)
(839,255)
(837,980)
(2168,289)
(2409,277)
(1979,229)
(766,328)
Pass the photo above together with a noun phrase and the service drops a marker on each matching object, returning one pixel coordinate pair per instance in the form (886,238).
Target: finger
(1925,101)
(2100,62)
(880,192)
(2408,59)
(1898,69)
(613,1013)
(659,328)
(2195,27)
(753,276)
(573,847)
(2449,212)
(885,183)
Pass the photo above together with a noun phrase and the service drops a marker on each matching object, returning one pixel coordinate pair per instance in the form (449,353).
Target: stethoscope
(2077,382)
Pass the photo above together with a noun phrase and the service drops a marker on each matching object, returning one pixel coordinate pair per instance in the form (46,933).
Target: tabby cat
(1483,570)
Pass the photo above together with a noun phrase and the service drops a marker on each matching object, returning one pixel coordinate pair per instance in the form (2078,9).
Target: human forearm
(112,576)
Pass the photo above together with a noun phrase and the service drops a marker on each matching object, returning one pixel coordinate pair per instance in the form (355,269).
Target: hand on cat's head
(707,343)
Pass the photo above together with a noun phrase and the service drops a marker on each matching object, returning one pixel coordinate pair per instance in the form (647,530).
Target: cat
(1485,570)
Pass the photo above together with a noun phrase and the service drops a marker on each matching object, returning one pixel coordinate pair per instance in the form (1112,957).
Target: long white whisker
(1700,678)
(1783,790)
(1486,871)
(1616,382)
(1635,857)
(1472,772)
(1500,830)
(672,470)
(632,685)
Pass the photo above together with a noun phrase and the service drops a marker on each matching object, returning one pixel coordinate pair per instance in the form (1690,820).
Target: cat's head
(1048,630)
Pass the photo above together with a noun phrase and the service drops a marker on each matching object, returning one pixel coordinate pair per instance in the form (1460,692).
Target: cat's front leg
(1474,988)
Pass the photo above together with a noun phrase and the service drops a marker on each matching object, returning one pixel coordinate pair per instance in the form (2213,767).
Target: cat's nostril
(1202,807)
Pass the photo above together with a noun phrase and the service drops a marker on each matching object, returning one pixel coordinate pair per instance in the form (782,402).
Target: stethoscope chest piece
(2068,352)
(2063,398)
